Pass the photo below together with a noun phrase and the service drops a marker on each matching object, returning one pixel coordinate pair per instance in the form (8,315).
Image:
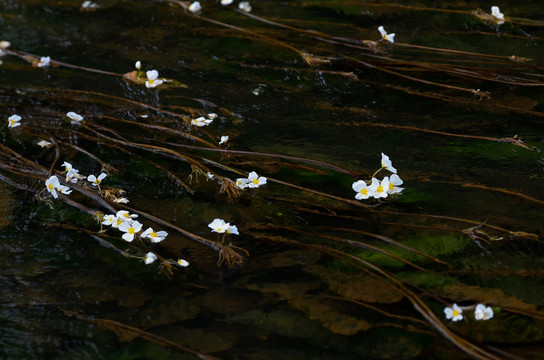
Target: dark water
(471,201)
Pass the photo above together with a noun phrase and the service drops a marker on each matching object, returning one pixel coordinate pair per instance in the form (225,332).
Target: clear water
(65,295)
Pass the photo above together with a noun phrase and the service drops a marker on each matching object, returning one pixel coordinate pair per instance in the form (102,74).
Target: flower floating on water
(224,139)
(53,185)
(242,183)
(393,182)
(232,229)
(109,220)
(122,200)
(386,36)
(155,237)
(210,175)
(386,163)
(96,180)
(219,226)
(380,187)
(362,189)
(76,118)
(226,2)
(255,181)
(150,258)
(496,12)
(44,144)
(195,7)
(4,45)
(212,116)
(72,175)
(130,228)
(482,312)
(201,121)
(152,79)
(88,5)
(454,313)
(183,263)
(244,6)
(13,120)
(44,61)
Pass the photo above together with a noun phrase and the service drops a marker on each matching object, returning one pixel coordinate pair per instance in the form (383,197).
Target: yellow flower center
(150,81)
(455,313)
(379,189)
(256,181)
(130,231)
(391,186)
(364,191)
(154,234)
(219,229)
(50,186)
(119,222)
(12,122)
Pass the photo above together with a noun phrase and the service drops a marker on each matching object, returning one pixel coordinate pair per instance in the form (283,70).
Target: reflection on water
(326,277)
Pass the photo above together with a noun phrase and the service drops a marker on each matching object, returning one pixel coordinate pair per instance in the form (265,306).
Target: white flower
(44,61)
(394,180)
(88,5)
(121,200)
(242,183)
(150,258)
(125,215)
(219,226)
(4,44)
(244,6)
(94,180)
(76,118)
(67,166)
(183,263)
(454,313)
(362,189)
(497,13)
(130,229)
(232,229)
(210,175)
(195,7)
(64,189)
(44,144)
(380,188)
(386,36)
(138,65)
(386,163)
(108,219)
(482,312)
(201,121)
(52,184)
(224,139)
(255,181)
(212,116)
(226,2)
(13,120)
(155,237)
(152,80)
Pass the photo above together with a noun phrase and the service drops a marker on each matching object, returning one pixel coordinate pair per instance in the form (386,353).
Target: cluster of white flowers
(88,5)
(379,189)
(204,121)
(481,312)
(44,61)
(72,176)
(220,226)
(386,36)
(252,181)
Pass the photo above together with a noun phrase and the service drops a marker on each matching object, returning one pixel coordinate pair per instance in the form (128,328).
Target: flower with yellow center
(150,258)
(233,229)
(13,120)
(183,263)
(155,237)
(380,187)
(152,79)
(255,181)
(52,184)
(394,181)
(130,229)
(219,226)
(386,163)
(455,313)
(95,181)
(362,189)
(242,183)
(385,35)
